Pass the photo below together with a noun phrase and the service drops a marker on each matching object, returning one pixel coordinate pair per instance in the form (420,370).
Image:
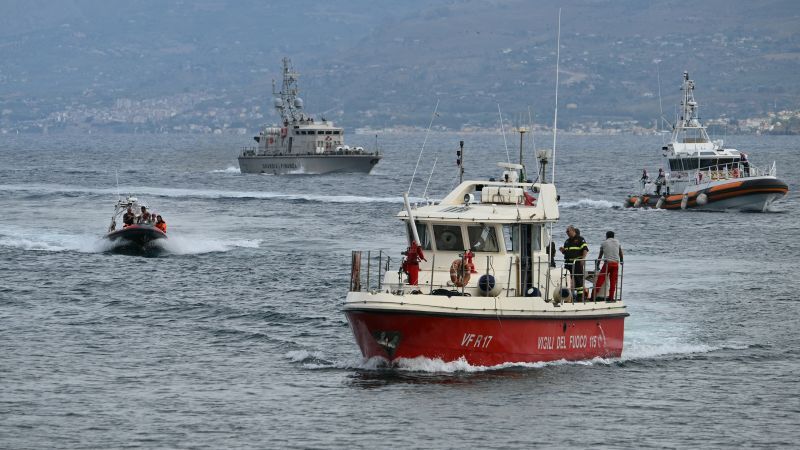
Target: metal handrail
(548,282)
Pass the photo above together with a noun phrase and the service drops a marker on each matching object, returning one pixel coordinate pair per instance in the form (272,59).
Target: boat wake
(198,193)
(57,241)
(587,203)
(229,169)
(633,352)
(193,245)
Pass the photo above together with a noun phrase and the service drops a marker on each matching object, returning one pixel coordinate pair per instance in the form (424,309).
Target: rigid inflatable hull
(486,340)
(135,238)
(744,194)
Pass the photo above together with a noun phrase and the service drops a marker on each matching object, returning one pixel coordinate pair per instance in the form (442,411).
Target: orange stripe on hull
(723,187)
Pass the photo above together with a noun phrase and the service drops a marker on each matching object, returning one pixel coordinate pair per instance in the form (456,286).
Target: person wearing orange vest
(414,255)
(160,224)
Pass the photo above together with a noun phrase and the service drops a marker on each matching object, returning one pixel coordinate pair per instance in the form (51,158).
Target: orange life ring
(735,172)
(458,275)
(270,140)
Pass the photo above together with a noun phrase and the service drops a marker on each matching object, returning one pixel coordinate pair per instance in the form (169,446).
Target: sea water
(234,336)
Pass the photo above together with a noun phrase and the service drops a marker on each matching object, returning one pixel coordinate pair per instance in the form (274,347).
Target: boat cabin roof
(491,202)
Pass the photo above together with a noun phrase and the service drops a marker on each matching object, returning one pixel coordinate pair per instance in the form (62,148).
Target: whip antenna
(116,174)
(503,130)
(555,117)
(423,146)
(425,192)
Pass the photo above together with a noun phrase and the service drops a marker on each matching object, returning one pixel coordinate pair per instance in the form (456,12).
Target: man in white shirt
(611,254)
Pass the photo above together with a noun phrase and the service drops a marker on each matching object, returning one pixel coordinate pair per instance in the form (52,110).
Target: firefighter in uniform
(410,266)
(575,250)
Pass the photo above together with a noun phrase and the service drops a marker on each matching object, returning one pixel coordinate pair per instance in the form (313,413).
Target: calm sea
(234,337)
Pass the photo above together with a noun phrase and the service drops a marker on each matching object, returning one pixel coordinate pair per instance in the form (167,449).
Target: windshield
(448,238)
(482,238)
(424,236)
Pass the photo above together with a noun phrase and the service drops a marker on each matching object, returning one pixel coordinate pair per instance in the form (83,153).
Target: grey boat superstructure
(301,144)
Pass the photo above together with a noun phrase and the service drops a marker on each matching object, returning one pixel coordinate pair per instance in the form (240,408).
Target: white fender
(702,199)
(660,203)
(638,202)
(562,295)
(685,201)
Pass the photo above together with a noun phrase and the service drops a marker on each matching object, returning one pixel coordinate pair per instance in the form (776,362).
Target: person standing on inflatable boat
(411,263)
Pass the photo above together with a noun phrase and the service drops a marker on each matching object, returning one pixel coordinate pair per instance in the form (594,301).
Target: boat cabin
(496,228)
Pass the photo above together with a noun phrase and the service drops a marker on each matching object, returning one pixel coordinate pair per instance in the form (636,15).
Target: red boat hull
(486,340)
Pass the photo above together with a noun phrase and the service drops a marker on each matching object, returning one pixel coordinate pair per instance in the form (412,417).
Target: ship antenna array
(555,116)
(421,150)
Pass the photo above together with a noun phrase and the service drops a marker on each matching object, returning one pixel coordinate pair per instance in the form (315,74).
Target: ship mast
(689,119)
(287,103)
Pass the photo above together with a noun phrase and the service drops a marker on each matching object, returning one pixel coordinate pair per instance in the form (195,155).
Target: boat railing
(732,171)
(513,277)
(249,151)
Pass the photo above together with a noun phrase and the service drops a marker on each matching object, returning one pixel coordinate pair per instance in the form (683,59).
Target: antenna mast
(288,104)
(423,146)
(503,130)
(555,117)
(460,161)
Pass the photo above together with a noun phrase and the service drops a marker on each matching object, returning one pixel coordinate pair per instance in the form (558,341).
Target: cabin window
(328,132)
(511,235)
(536,237)
(424,236)
(448,238)
(336,132)
(482,238)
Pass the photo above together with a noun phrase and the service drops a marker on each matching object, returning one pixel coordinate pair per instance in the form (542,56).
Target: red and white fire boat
(482,286)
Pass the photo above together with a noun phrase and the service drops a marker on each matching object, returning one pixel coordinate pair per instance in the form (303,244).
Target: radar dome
(278,103)
(298,102)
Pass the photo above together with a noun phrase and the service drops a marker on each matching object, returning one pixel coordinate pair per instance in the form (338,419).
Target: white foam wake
(199,193)
(51,241)
(633,351)
(587,203)
(229,169)
(194,245)
(58,241)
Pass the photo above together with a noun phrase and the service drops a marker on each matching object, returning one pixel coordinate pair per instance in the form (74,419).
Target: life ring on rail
(735,172)
(458,275)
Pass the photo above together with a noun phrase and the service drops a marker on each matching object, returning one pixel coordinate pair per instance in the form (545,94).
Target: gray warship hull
(307,164)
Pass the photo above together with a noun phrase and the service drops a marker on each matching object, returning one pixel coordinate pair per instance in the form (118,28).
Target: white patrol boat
(704,174)
(300,144)
(488,290)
